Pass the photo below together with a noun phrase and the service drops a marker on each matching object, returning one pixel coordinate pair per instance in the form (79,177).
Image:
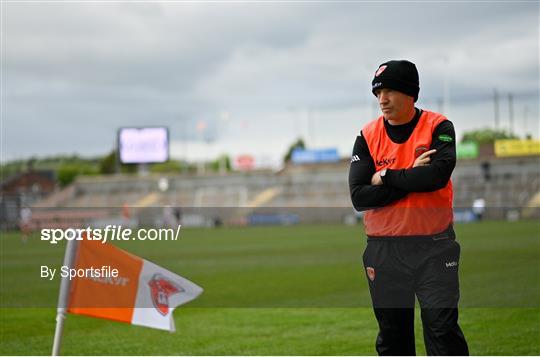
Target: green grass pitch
(296,290)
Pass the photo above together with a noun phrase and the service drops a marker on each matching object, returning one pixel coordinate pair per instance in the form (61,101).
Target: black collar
(400,133)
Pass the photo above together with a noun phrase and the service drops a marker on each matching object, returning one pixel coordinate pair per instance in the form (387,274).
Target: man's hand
(422,160)
(376,178)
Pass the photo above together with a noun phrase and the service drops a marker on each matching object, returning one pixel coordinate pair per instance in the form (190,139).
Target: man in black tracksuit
(400,175)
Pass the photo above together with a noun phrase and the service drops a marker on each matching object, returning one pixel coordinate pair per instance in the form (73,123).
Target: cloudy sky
(249,78)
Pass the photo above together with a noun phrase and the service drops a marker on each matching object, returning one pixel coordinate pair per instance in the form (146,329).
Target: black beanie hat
(399,75)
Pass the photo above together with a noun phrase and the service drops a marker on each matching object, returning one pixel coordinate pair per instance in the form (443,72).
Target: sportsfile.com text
(110,232)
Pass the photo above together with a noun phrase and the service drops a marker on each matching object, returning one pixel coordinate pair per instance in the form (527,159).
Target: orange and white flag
(142,294)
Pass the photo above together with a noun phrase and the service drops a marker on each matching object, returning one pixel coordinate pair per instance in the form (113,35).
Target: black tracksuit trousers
(398,269)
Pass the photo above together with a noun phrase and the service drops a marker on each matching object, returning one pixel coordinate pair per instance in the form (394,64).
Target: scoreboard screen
(143,145)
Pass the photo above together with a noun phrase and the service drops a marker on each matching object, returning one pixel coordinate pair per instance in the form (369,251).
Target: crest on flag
(161,288)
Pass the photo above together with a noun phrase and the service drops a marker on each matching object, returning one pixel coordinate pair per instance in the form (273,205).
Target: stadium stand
(23,189)
(313,193)
(506,184)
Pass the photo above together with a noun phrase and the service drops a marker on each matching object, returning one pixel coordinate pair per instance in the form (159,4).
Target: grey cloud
(98,66)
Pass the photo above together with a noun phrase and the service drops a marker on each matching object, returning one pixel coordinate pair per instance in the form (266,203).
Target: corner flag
(142,293)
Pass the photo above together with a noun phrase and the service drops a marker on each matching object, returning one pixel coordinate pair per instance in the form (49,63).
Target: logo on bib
(385,161)
(420,150)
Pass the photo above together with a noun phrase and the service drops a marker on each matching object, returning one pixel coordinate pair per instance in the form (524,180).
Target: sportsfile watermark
(109,233)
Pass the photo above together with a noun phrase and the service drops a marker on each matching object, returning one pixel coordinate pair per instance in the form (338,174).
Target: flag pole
(63,297)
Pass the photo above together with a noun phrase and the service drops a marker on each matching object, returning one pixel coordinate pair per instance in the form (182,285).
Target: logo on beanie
(380,70)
